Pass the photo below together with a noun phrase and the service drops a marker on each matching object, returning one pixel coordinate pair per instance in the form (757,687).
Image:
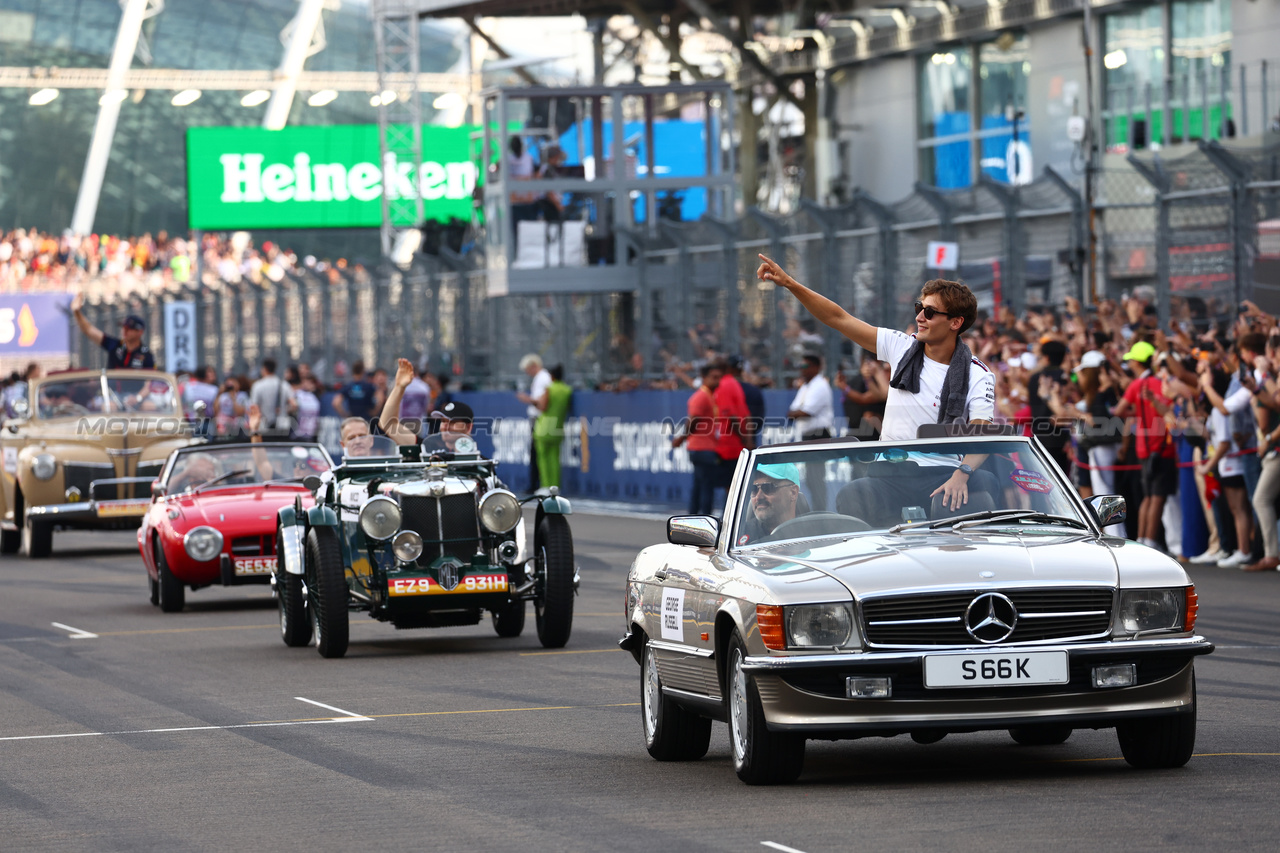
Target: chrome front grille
(937,619)
(449,525)
(253,546)
(79,475)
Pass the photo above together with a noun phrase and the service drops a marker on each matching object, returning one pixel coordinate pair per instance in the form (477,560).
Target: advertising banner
(180,336)
(319,176)
(34,323)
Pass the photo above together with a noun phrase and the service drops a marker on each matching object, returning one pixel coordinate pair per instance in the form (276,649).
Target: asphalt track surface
(201,731)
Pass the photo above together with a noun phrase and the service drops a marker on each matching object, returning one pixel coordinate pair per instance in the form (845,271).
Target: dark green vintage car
(420,544)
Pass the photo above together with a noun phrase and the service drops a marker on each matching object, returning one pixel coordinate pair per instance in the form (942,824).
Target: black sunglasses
(930,312)
(768,488)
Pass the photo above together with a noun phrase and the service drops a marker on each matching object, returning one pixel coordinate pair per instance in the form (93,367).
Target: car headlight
(499,511)
(1143,610)
(819,625)
(44,466)
(380,517)
(202,544)
(407,546)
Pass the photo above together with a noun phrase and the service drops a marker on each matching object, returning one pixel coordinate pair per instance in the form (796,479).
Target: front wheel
(553,549)
(508,621)
(10,541)
(171,595)
(1155,743)
(327,591)
(671,733)
(39,538)
(295,622)
(760,757)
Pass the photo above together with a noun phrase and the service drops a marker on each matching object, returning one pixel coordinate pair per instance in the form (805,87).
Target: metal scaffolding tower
(395,26)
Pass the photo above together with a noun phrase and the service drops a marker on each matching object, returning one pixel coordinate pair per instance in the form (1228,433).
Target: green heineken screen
(319,176)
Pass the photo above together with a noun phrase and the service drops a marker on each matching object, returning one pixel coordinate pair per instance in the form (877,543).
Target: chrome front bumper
(97,511)
(799,692)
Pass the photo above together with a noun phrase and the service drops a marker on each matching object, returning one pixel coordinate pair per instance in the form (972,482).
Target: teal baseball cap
(780,471)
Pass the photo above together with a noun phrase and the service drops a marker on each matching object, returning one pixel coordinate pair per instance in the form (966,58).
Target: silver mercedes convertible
(844,595)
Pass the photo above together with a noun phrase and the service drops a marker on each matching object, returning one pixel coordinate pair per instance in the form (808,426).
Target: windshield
(368,448)
(84,396)
(240,465)
(832,491)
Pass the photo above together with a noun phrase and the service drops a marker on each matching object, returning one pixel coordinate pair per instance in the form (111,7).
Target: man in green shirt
(548,430)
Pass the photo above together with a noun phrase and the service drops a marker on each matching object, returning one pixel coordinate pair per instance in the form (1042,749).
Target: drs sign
(328,176)
(180,336)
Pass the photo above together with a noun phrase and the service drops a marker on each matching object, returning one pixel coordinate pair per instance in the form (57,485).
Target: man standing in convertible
(934,380)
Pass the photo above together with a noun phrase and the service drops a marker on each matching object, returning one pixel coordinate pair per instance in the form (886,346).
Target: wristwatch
(967,470)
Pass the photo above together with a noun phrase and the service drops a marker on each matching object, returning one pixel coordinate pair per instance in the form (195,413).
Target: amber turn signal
(1193,605)
(769,621)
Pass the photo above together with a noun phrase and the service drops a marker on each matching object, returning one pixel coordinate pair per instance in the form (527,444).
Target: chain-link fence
(1204,227)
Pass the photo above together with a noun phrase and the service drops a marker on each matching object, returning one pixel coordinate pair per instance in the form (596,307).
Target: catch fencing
(1203,227)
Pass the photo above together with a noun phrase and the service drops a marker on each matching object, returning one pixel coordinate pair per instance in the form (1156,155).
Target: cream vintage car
(882,612)
(83,452)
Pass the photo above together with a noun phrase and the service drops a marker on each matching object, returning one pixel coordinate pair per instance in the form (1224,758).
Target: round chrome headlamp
(499,511)
(202,544)
(407,546)
(380,517)
(44,466)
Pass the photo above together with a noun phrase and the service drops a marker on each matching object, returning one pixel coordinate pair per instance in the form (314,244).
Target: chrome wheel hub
(652,695)
(738,705)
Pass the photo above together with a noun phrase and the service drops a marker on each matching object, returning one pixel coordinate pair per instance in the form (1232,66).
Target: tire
(153,584)
(553,548)
(38,536)
(327,592)
(11,540)
(295,621)
(760,757)
(509,621)
(1155,743)
(170,593)
(1044,735)
(671,733)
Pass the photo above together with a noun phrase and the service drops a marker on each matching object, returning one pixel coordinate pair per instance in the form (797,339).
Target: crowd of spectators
(32,261)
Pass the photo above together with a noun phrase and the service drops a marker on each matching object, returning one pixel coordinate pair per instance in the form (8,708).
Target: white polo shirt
(814,397)
(541,382)
(904,412)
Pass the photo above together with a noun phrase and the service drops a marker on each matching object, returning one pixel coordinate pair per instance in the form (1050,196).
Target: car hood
(222,508)
(877,563)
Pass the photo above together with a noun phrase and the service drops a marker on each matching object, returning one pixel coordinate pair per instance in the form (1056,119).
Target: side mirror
(158,490)
(312,483)
(698,530)
(1108,509)
(20,408)
(200,409)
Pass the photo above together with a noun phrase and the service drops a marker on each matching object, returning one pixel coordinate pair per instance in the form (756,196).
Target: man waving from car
(456,418)
(935,380)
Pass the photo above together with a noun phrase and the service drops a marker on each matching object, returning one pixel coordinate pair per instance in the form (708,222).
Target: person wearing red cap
(128,350)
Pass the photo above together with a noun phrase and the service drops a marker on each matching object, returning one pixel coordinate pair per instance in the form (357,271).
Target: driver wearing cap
(128,350)
(456,418)
(774,494)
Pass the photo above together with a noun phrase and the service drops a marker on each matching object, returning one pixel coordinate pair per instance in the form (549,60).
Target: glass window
(1002,95)
(963,131)
(946,83)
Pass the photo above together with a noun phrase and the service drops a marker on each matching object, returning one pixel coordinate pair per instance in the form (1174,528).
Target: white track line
(331,708)
(191,729)
(76,633)
(776,846)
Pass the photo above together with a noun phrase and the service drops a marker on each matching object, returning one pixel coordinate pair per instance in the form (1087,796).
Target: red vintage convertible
(212,519)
